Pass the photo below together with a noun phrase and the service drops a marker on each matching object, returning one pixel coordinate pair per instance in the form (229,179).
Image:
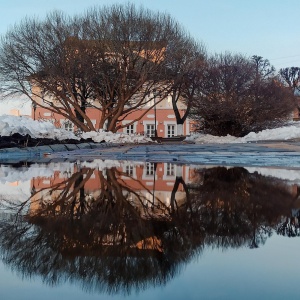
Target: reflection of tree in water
(290,224)
(105,242)
(109,243)
(238,208)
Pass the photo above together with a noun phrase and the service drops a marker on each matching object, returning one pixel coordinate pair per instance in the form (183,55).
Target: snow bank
(42,129)
(36,129)
(115,137)
(291,131)
(282,133)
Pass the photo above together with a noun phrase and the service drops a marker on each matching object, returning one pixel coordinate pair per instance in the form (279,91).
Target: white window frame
(129,170)
(146,123)
(68,123)
(166,124)
(125,129)
(130,129)
(171,169)
(150,130)
(171,130)
(167,176)
(149,169)
(147,176)
(127,176)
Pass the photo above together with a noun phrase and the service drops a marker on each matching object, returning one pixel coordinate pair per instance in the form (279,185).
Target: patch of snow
(290,131)
(36,129)
(109,137)
(100,164)
(200,138)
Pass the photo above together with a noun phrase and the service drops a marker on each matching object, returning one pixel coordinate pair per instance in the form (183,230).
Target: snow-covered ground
(41,129)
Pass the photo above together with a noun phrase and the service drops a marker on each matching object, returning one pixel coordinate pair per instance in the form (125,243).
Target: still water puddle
(112,230)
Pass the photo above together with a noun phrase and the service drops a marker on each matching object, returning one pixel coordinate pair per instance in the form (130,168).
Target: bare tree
(109,58)
(187,73)
(291,77)
(238,95)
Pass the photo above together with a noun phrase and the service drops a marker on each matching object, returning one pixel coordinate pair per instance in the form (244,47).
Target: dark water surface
(111,230)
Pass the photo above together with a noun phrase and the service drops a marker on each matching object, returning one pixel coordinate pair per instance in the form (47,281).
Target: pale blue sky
(269,28)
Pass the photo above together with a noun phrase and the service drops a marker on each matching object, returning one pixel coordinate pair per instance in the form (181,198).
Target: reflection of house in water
(143,193)
(134,205)
(149,186)
(156,183)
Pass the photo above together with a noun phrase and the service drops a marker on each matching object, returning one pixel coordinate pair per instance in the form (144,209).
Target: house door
(170,130)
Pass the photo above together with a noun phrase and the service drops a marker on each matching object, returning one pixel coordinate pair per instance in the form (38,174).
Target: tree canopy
(110,58)
(238,95)
(291,77)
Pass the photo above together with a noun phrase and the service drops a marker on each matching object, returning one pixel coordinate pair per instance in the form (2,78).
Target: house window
(149,168)
(170,170)
(150,130)
(130,129)
(129,170)
(170,130)
(69,126)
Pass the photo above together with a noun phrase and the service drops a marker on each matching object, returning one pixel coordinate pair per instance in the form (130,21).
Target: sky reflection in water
(150,230)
